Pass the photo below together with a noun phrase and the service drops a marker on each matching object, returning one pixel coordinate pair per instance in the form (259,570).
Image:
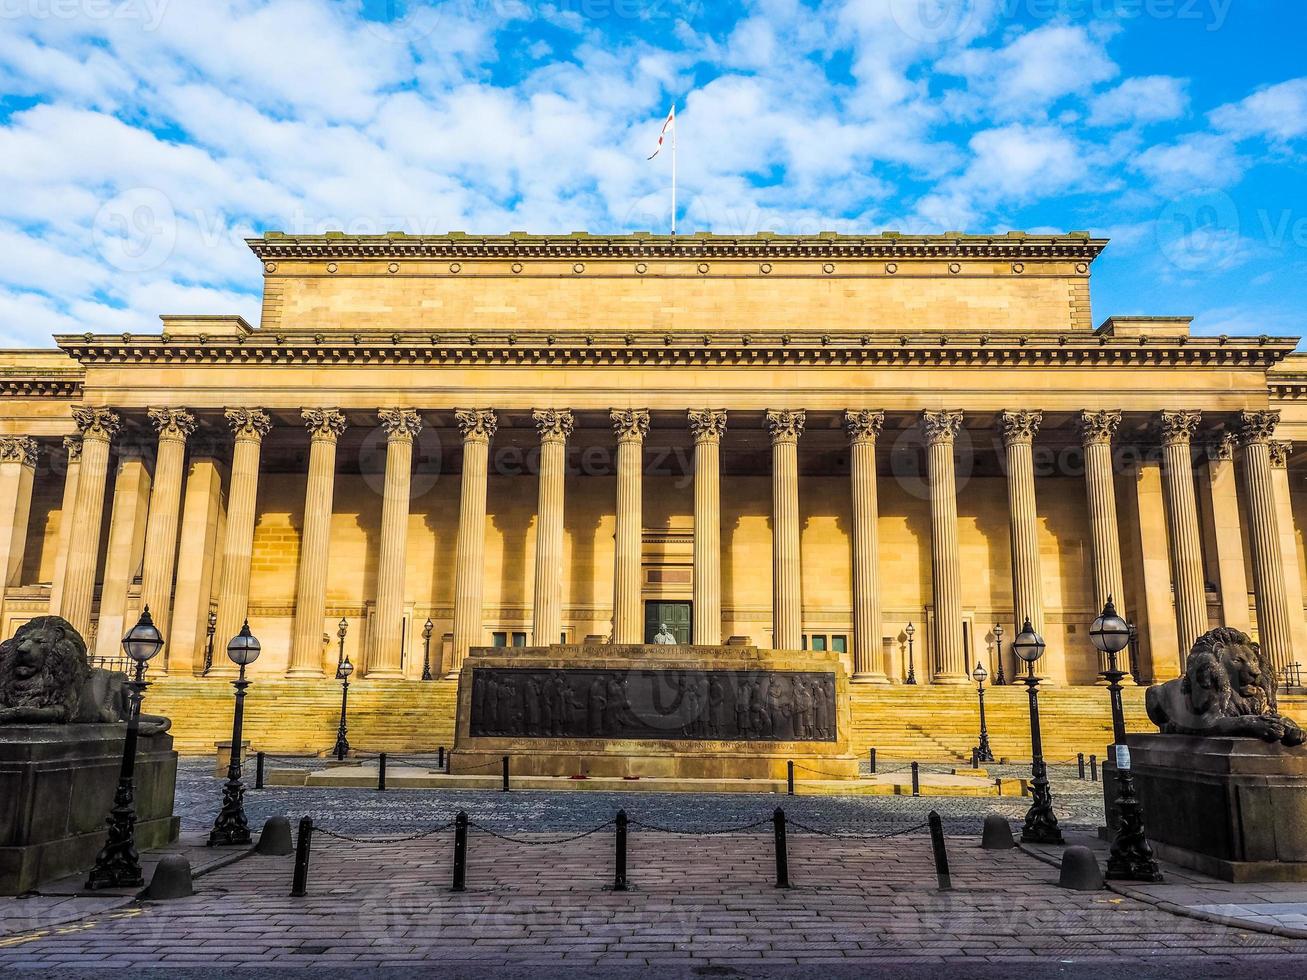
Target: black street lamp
(341,630)
(999,679)
(342,674)
(427,627)
(1041,823)
(1131,858)
(231,827)
(912,671)
(1134,652)
(118,865)
(208,644)
(983,752)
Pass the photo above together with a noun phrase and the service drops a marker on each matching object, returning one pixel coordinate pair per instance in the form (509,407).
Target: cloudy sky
(141,140)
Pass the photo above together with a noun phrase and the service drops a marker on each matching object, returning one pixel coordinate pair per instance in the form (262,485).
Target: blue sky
(141,140)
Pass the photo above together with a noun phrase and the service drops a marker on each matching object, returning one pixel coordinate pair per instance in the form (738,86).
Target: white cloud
(1144,99)
(1198,160)
(1277,113)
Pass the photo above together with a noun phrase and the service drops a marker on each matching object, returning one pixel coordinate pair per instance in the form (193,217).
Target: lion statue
(1225,690)
(45,679)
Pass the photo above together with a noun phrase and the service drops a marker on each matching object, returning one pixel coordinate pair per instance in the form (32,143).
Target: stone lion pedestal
(1234,808)
(657,711)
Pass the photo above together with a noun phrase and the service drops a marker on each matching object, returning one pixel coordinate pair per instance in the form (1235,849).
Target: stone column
(124,552)
(200,546)
(950,657)
(249,426)
(1096,432)
(67,505)
(385,656)
(1293,574)
(98,427)
(555,426)
(18,456)
(869,664)
(174,425)
(1018,429)
(708,426)
(630,426)
(1177,429)
(325,426)
(1223,530)
(478,428)
(1274,632)
(785,428)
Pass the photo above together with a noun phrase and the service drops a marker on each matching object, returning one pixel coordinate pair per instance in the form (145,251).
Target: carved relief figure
(1226,690)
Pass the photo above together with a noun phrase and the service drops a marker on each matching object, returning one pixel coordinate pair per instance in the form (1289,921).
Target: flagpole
(673,169)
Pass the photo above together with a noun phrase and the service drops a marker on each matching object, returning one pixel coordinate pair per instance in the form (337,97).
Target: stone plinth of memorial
(1234,808)
(56,787)
(654,711)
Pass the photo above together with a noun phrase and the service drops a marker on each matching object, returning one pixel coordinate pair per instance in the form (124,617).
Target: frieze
(730,705)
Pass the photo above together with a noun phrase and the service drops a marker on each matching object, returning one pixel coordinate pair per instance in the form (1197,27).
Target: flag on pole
(662,135)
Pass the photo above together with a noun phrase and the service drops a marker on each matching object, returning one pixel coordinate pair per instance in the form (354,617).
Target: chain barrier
(495,763)
(700,833)
(790,821)
(819,772)
(537,843)
(382,840)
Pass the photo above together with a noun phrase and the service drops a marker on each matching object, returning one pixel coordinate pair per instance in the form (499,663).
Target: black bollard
(782,858)
(460,851)
(381,771)
(941,855)
(916,780)
(619,876)
(449,762)
(1093,768)
(1080,761)
(505,774)
(789,777)
(300,883)
(440,758)
(258,770)
(872,758)
(975,760)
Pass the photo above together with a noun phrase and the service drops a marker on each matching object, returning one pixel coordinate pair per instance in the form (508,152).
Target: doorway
(677,616)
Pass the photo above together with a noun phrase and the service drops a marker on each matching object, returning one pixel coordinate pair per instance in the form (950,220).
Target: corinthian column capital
(476,424)
(73,445)
(324,423)
(1221,448)
(786,425)
(630,424)
(1178,427)
(1256,427)
(249,423)
(1098,427)
(863,425)
(97,423)
(554,424)
(1280,453)
(19,449)
(706,424)
(172,423)
(1019,426)
(940,427)
(400,423)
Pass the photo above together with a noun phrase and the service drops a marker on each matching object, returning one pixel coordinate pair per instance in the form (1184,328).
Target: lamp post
(1041,823)
(999,679)
(1131,859)
(983,752)
(118,865)
(342,674)
(208,642)
(427,627)
(231,827)
(341,630)
(1134,652)
(912,671)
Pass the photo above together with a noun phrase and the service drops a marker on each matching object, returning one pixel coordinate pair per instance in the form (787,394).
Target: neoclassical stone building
(807,442)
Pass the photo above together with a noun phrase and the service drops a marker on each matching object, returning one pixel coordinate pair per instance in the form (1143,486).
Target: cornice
(888,245)
(685,348)
(57,383)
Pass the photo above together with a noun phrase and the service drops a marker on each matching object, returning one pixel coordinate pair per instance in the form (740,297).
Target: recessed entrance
(678,617)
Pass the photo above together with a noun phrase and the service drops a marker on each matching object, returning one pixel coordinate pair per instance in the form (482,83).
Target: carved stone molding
(1178,427)
(476,424)
(1096,427)
(172,423)
(19,449)
(1280,453)
(1221,448)
(554,424)
(1255,427)
(97,423)
(1019,426)
(706,424)
(248,423)
(785,425)
(400,423)
(324,423)
(73,446)
(941,427)
(630,424)
(863,425)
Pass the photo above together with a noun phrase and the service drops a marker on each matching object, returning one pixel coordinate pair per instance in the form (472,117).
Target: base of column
(452,675)
(869,678)
(305,672)
(384,675)
(950,679)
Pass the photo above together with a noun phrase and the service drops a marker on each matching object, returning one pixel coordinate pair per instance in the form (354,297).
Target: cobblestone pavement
(364,811)
(705,904)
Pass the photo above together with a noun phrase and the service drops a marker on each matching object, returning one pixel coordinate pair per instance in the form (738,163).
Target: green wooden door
(677,616)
